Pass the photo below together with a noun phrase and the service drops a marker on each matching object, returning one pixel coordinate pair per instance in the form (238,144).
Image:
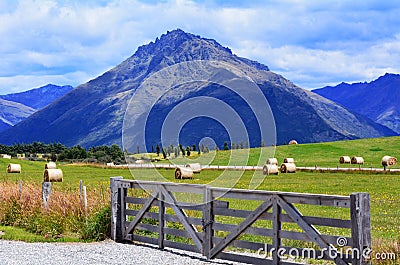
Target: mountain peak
(178,46)
(178,41)
(95,111)
(377,100)
(388,76)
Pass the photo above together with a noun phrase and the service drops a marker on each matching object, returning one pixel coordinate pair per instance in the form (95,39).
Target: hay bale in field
(288,160)
(344,160)
(50,165)
(288,168)
(293,142)
(14,168)
(53,175)
(183,173)
(196,167)
(357,160)
(6,156)
(270,169)
(110,164)
(272,161)
(389,161)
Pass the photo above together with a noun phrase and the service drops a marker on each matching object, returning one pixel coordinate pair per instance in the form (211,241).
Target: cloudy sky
(311,42)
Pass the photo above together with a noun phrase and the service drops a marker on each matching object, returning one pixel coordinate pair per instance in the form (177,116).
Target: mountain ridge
(40,97)
(12,113)
(378,100)
(93,113)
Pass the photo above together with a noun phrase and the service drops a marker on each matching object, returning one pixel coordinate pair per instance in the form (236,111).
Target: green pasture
(321,154)
(383,188)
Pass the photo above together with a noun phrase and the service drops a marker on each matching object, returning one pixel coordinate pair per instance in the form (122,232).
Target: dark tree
(158,150)
(226,146)
(188,151)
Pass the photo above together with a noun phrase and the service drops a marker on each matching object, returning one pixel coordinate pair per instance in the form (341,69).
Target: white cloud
(312,43)
(20,83)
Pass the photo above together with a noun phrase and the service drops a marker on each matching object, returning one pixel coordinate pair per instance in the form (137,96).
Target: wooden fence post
(46,191)
(208,219)
(80,191)
(116,221)
(85,204)
(161,221)
(20,190)
(277,227)
(360,227)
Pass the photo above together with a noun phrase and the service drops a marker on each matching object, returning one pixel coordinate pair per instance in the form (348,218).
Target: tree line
(59,152)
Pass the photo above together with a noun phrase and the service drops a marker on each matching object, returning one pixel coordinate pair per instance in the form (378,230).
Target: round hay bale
(344,160)
(357,160)
(110,164)
(288,168)
(272,161)
(288,160)
(183,173)
(14,168)
(6,156)
(196,167)
(389,161)
(53,175)
(50,165)
(293,142)
(270,169)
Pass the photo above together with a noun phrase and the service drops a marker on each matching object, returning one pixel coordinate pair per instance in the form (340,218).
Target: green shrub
(98,226)
(12,212)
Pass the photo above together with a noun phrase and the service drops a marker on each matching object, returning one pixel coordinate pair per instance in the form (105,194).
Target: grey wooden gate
(208,220)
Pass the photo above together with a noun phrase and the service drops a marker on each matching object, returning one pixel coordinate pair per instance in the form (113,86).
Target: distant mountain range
(12,112)
(38,98)
(16,107)
(378,100)
(92,114)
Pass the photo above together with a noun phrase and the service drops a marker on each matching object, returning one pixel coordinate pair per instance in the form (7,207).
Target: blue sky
(313,43)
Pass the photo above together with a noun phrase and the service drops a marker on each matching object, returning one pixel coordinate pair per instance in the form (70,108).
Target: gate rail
(207,220)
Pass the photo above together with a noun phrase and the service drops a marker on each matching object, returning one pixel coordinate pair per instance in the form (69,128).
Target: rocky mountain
(38,98)
(16,107)
(93,113)
(377,100)
(12,113)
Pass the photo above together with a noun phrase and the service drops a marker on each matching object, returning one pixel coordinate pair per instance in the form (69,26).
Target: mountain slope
(12,112)
(377,100)
(93,113)
(39,97)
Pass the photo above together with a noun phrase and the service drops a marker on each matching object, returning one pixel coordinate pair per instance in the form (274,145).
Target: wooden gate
(267,227)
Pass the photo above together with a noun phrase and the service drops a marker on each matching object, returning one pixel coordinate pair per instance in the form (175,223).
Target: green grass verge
(20,234)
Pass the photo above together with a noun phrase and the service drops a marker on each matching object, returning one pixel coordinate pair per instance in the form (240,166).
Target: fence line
(207,220)
(252,168)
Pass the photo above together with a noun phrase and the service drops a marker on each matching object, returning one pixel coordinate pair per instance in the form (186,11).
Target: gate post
(116,220)
(208,219)
(360,227)
(277,227)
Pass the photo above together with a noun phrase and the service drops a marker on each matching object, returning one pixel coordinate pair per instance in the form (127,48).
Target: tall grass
(64,217)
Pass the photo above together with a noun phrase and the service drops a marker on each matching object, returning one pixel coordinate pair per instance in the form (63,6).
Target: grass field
(384,189)
(321,154)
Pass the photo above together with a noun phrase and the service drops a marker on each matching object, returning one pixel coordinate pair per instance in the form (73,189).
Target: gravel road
(106,252)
